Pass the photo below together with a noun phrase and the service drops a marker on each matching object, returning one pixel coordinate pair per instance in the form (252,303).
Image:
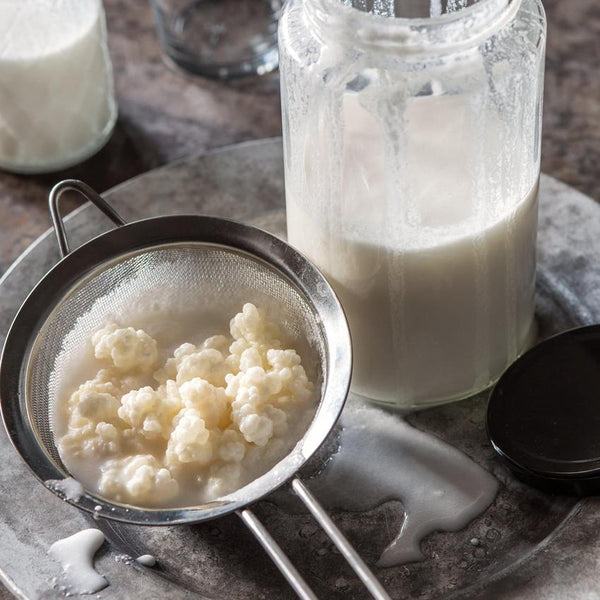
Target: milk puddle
(382,458)
(76,556)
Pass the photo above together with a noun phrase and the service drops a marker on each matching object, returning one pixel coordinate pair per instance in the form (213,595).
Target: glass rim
(445,33)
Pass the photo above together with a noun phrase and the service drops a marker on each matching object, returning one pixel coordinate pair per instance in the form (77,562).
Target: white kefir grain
(209,420)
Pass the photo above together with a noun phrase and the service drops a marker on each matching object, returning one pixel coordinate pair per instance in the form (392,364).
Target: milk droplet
(147,560)
(68,488)
(76,556)
(123,558)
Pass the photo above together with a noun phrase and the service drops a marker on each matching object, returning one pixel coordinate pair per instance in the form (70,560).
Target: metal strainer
(173,268)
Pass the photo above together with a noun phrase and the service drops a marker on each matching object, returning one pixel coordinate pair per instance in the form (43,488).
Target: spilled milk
(381,458)
(76,556)
(68,488)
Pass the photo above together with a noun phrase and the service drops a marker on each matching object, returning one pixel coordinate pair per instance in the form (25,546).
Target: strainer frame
(159,231)
(145,234)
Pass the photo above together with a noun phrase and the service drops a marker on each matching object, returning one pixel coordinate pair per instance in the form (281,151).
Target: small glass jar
(57,104)
(412,153)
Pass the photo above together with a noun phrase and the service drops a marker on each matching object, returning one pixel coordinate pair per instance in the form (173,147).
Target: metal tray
(529,545)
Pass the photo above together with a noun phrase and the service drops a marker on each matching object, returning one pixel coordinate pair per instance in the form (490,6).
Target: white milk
(438,290)
(441,489)
(56,90)
(76,556)
(68,488)
(146,560)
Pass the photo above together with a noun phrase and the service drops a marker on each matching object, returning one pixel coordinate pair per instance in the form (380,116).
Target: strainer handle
(337,537)
(277,555)
(283,563)
(89,194)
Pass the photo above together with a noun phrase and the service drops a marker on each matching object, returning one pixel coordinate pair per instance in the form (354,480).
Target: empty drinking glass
(219,38)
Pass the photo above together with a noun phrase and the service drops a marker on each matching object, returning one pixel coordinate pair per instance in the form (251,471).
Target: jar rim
(448,32)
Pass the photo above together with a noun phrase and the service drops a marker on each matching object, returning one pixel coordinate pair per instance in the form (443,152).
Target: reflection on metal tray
(513,550)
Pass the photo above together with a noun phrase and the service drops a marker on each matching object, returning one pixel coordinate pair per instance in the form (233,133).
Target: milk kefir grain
(211,419)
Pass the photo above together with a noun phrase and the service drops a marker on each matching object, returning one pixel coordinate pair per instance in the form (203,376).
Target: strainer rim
(145,234)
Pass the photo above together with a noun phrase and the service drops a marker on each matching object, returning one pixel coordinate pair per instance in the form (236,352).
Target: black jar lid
(543,416)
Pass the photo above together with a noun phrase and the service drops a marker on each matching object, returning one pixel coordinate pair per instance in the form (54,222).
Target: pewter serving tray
(529,545)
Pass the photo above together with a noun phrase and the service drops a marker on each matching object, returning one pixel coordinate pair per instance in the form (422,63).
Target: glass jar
(57,104)
(412,156)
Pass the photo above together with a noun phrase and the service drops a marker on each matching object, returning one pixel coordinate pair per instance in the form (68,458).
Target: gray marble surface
(532,545)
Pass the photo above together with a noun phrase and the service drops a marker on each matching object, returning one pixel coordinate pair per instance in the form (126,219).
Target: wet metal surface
(526,545)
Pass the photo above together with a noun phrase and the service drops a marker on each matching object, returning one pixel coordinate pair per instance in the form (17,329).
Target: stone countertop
(165,115)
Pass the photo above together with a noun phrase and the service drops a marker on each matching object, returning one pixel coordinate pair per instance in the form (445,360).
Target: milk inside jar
(56,90)
(411,180)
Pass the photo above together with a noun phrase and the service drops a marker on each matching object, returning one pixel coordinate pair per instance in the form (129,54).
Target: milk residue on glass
(382,458)
(440,304)
(76,556)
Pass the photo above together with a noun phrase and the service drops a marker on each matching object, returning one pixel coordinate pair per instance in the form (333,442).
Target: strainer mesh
(177,293)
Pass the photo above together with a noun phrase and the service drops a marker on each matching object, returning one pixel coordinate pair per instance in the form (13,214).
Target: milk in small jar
(412,153)
(57,104)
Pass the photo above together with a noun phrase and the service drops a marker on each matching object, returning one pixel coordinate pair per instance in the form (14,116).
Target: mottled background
(165,115)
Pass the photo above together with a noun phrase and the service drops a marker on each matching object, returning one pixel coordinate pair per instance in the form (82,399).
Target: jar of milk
(412,156)
(57,104)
